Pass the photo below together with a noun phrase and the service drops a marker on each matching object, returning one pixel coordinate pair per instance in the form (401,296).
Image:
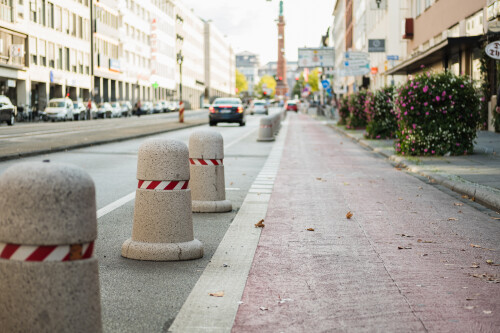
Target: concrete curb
(96,142)
(484,195)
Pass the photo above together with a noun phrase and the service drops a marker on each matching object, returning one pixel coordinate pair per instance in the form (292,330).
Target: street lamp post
(180,59)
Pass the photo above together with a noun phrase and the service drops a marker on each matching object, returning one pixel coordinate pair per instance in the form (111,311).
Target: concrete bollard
(163,224)
(276,123)
(208,189)
(266,129)
(49,280)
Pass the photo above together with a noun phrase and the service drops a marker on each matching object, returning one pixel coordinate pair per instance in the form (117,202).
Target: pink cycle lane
(411,258)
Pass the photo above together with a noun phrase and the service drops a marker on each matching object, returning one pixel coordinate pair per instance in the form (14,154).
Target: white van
(59,109)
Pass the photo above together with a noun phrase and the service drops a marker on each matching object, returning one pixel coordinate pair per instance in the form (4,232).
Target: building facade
(220,64)
(190,44)
(46,48)
(248,65)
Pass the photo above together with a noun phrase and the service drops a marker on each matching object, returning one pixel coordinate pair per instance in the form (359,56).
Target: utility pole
(180,59)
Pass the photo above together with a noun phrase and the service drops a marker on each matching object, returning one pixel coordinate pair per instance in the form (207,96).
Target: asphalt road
(142,296)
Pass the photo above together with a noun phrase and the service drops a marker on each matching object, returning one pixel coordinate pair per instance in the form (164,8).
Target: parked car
(146,108)
(259,106)
(104,110)
(126,109)
(8,112)
(79,111)
(172,106)
(157,107)
(117,110)
(59,109)
(227,110)
(291,105)
(164,106)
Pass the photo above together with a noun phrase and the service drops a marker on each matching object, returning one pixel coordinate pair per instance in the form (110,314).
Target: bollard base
(211,206)
(265,139)
(162,251)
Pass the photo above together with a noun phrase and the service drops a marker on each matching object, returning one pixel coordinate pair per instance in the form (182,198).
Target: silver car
(59,109)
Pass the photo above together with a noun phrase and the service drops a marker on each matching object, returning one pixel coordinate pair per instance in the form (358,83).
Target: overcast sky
(250,24)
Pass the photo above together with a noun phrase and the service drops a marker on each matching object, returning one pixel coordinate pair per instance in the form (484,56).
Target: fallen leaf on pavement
(474,265)
(263,308)
(217,294)
(465,196)
(404,248)
(474,245)
(469,307)
(260,224)
(348,215)
(346,184)
(472,199)
(422,241)
(318,178)
(403,235)
(458,204)
(452,219)
(491,263)
(310,229)
(486,312)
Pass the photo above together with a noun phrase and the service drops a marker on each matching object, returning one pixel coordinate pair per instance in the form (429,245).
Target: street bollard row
(270,126)
(49,277)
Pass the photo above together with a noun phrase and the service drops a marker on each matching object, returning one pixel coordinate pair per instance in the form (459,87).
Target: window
(65,21)
(68,58)
(33,16)
(51,55)
(33,50)
(80,27)
(73,32)
(41,52)
(57,18)
(59,58)
(72,60)
(50,15)
(418,8)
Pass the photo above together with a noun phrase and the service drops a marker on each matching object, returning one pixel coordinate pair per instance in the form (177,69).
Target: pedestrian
(138,108)
(89,109)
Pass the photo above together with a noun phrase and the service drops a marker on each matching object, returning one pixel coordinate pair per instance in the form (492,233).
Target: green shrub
(357,115)
(343,110)
(437,114)
(379,106)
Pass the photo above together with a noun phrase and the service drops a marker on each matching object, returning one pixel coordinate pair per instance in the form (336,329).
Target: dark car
(8,111)
(226,110)
(292,106)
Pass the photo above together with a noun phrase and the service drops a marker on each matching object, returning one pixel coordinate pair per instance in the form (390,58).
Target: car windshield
(75,105)
(55,104)
(259,103)
(291,103)
(115,104)
(227,101)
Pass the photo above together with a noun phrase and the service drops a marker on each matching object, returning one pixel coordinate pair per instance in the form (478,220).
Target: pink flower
(461,86)
(403,104)
(457,144)
(413,149)
(437,98)
(414,126)
(444,93)
(426,88)
(412,108)
(405,113)
(425,150)
(425,104)
(433,152)
(427,113)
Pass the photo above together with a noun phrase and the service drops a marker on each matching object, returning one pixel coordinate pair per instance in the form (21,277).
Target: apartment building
(190,46)
(443,35)
(44,50)
(220,64)
(248,65)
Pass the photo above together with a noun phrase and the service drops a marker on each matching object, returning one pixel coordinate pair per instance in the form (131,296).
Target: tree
(241,82)
(312,81)
(269,83)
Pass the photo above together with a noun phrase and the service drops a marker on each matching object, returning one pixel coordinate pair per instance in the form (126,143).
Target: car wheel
(77,117)
(12,120)
(212,123)
(242,123)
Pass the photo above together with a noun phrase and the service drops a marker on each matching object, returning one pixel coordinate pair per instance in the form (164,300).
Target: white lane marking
(114,205)
(129,197)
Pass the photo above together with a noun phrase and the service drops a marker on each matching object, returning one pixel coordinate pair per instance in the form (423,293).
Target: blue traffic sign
(392,57)
(325,84)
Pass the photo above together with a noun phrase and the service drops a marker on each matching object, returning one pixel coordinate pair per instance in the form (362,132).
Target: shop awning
(435,54)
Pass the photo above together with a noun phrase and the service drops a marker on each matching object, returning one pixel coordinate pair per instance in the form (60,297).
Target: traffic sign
(325,84)
(356,63)
(392,57)
(356,55)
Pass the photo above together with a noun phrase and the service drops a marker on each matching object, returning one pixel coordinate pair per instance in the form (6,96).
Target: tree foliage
(241,82)
(268,82)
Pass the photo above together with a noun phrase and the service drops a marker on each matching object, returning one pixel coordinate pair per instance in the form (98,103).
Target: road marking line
(114,205)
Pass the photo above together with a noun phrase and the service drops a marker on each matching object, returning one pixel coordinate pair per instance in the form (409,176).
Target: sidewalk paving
(412,258)
(476,175)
